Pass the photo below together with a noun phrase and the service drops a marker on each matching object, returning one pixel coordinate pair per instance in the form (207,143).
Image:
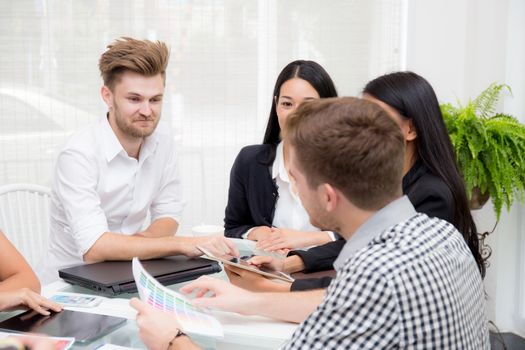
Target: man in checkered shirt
(404,280)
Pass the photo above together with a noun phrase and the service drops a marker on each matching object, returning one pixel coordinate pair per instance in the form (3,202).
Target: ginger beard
(138,126)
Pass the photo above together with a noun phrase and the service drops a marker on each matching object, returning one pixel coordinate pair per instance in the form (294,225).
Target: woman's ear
(411,133)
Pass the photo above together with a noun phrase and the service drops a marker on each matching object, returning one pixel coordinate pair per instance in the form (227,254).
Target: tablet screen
(243,264)
(83,326)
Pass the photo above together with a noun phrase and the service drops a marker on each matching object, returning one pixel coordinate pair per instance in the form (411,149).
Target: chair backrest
(24,219)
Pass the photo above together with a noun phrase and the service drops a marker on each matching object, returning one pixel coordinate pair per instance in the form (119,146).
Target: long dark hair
(414,98)
(310,71)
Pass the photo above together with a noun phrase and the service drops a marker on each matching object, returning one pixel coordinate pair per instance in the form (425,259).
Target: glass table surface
(240,332)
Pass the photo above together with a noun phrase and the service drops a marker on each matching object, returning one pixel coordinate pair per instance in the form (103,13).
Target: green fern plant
(490,147)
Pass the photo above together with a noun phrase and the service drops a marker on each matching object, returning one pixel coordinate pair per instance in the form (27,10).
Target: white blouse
(289,211)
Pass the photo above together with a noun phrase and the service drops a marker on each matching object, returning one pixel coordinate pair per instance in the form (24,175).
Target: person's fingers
(274,243)
(138,305)
(33,304)
(203,282)
(226,249)
(142,321)
(280,241)
(201,292)
(260,242)
(219,245)
(277,246)
(215,247)
(261,260)
(205,302)
(276,235)
(270,237)
(51,305)
(232,247)
(263,244)
(188,289)
(268,262)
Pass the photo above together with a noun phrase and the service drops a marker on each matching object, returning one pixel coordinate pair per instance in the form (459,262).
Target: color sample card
(191,318)
(76,300)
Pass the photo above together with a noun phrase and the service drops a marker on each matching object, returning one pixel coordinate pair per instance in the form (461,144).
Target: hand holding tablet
(243,263)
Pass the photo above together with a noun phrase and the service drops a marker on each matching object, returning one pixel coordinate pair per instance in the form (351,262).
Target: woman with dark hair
(411,100)
(432,180)
(262,203)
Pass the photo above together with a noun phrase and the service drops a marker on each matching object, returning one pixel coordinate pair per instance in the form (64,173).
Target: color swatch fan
(191,318)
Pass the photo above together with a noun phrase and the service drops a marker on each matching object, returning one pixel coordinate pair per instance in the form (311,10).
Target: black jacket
(428,194)
(253,193)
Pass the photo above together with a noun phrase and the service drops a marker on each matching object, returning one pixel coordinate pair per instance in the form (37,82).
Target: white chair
(24,218)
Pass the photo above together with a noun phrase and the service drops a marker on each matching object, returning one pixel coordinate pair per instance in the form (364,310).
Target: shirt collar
(388,216)
(149,145)
(278,168)
(112,146)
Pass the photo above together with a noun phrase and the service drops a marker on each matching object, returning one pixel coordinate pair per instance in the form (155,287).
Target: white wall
(461,47)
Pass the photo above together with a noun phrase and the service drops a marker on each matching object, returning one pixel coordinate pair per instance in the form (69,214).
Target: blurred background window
(225,57)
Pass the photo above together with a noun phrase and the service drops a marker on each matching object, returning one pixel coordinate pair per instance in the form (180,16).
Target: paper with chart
(191,318)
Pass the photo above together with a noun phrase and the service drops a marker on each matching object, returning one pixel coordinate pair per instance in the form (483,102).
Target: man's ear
(107,96)
(411,134)
(330,197)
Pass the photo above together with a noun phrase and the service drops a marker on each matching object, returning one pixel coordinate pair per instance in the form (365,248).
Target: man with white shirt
(110,175)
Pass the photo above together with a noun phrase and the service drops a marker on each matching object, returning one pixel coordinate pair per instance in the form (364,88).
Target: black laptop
(116,277)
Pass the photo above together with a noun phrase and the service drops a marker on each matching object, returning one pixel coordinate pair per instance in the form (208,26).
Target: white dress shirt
(98,188)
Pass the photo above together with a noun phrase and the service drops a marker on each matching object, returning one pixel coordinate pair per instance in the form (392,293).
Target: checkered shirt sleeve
(415,286)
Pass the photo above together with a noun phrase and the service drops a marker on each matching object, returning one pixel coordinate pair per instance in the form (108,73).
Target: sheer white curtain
(225,57)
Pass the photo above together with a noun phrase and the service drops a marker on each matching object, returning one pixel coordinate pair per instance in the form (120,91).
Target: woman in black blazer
(432,180)
(261,203)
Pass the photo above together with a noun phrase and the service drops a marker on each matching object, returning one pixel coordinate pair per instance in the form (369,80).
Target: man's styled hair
(144,57)
(351,144)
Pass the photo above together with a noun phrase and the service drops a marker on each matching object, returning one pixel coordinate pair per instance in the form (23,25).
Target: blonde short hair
(144,57)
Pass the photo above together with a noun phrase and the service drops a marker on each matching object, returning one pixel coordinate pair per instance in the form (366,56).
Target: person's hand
(156,328)
(283,238)
(218,245)
(267,262)
(259,232)
(27,298)
(253,281)
(224,296)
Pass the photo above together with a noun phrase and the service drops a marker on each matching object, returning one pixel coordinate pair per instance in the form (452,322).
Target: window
(225,57)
